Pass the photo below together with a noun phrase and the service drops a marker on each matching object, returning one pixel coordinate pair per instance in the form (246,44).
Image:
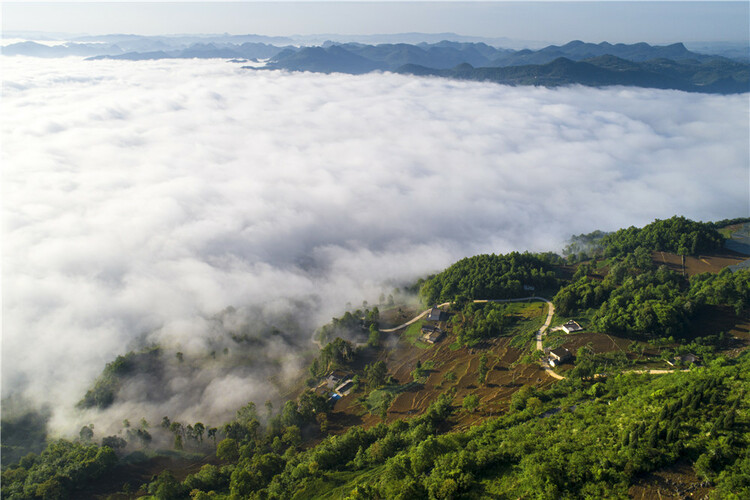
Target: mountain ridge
(671,66)
(596,72)
(641,65)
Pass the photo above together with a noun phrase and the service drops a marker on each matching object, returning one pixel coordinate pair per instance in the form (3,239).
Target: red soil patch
(140,473)
(599,342)
(676,482)
(717,319)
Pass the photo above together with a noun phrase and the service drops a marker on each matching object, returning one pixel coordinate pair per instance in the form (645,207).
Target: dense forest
(591,435)
(677,234)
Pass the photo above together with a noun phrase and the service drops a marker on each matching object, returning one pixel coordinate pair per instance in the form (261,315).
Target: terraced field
(455,369)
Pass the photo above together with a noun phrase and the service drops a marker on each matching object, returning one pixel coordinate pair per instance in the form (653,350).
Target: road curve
(479,301)
(416,318)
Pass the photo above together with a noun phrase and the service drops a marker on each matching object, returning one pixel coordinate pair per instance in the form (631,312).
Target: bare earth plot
(675,482)
(701,264)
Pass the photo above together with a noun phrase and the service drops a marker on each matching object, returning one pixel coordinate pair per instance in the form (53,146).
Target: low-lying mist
(141,199)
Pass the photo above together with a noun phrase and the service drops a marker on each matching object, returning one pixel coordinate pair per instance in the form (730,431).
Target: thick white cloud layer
(142,197)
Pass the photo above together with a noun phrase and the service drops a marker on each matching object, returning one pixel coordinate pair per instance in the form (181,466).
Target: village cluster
(339,383)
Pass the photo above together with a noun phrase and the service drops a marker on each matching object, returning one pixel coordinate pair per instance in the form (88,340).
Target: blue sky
(656,22)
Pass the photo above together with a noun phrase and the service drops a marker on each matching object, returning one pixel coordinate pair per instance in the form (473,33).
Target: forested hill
(714,77)
(491,277)
(522,274)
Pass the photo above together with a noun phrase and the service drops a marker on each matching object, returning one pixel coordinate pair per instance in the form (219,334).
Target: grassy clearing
(526,310)
(378,397)
(147,454)
(530,318)
(601,264)
(413,335)
(337,485)
(555,339)
(583,318)
(523,340)
(449,378)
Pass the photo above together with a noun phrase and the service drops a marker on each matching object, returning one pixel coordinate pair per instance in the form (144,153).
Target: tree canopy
(676,234)
(490,277)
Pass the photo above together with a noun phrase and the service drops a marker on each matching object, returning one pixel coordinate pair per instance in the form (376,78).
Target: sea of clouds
(141,198)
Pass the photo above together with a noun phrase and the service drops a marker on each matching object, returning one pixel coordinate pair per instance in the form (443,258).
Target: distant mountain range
(641,65)
(444,55)
(714,77)
(129,43)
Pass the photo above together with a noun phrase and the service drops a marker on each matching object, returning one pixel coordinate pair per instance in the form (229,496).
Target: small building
(345,388)
(335,378)
(433,336)
(559,356)
(686,359)
(571,326)
(529,288)
(435,314)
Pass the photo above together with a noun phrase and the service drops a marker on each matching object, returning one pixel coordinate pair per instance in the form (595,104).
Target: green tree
(166,487)
(87,433)
(114,442)
(387,400)
(211,433)
(471,402)
(374,338)
(376,374)
(482,369)
(227,450)
(199,429)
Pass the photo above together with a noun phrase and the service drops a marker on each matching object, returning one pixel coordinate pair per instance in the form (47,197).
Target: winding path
(539,334)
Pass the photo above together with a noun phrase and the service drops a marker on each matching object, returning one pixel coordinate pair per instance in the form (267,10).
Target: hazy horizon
(543,22)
